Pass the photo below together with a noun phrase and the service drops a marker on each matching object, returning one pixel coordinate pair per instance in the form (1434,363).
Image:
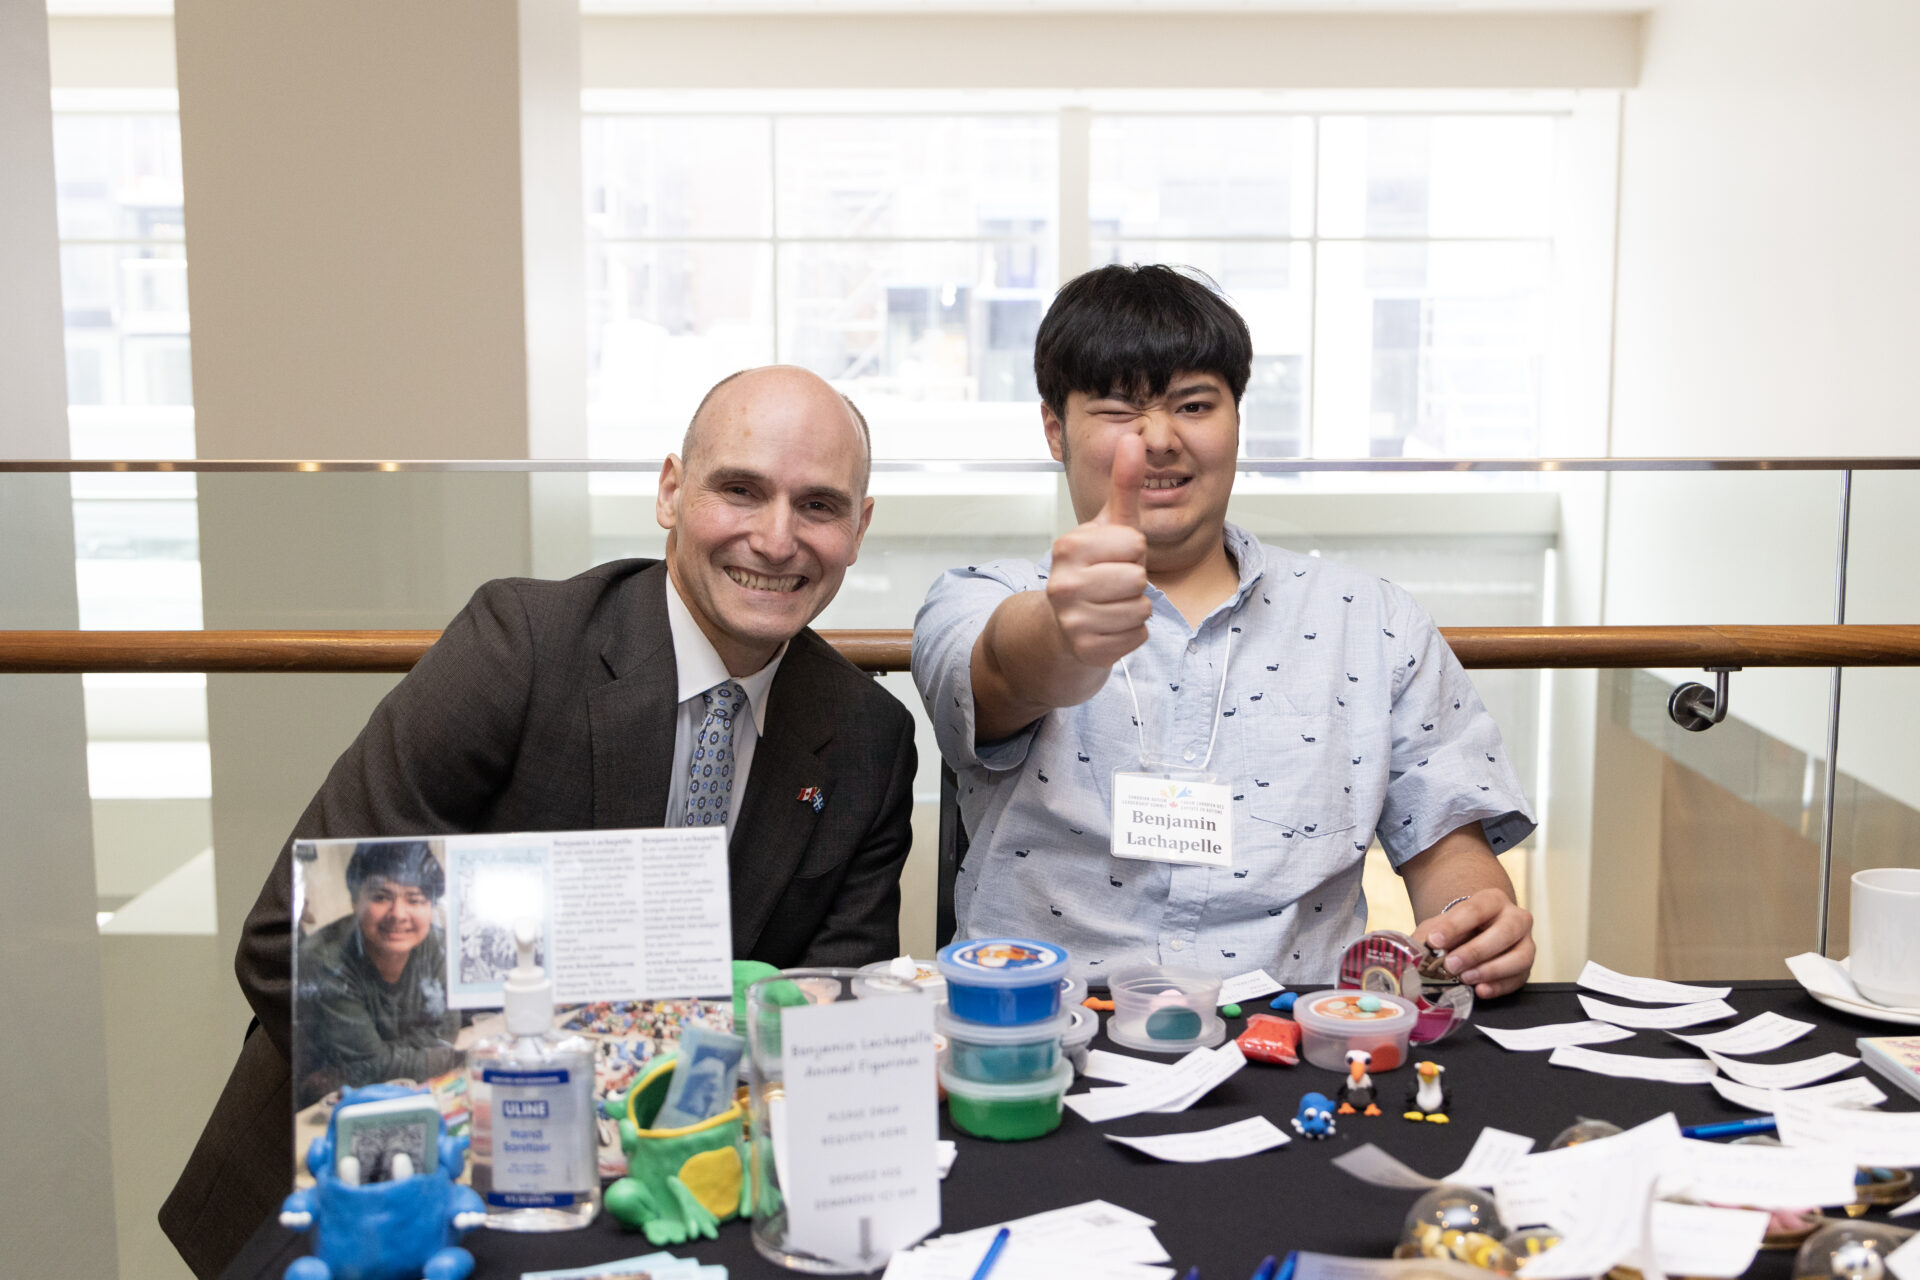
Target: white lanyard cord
(1219,701)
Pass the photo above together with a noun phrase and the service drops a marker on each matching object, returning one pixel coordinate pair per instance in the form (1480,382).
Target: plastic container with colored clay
(987,1054)
(1333,1023)
(1006,1112)
(1163,1010)
(1003,982)
(1077,1040)
(1072,990)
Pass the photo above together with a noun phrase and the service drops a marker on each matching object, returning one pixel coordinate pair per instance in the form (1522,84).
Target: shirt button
(1193,646)
(1176,945)
(1189,755)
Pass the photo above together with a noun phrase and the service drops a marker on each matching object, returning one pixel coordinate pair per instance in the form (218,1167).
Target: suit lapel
(631,718)
(774,827)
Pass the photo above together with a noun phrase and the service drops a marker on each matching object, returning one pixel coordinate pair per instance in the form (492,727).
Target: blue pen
(1193,1273)
(993,1254)
(1266,1268)
(1731,1128)
(1286,1267)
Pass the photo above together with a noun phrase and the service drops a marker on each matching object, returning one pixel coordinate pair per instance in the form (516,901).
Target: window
(136,537)
(1397,267)
(905,258)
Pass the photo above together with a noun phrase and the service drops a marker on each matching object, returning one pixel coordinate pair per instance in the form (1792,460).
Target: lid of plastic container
(1003,962)
(1072,990)
(1085,1025)
(1052,1085)
(992,1033)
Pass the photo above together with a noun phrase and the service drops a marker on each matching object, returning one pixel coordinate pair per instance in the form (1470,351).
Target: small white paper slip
(1890,1138)
(1597,1194)
(1627,1066)
(1904,1262)
(1755,1035)
(1185,1083)
(1122,1068)
(1695,1240)
(1228,1142)
(1092,1238)
(1755,1176)
(1248,986)
(859,1168)
(1911,1206)
(1783,1075)
(1494,1156)
(1678,1015)
(1858,1093)
(1370,1164)
(1597,977)
(945,1154)
(1327,1266)
(1553,1035)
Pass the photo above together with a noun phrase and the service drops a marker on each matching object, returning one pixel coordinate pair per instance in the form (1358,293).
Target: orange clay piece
(1098,1005)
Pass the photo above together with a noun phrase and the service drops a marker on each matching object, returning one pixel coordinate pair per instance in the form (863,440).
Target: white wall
(1767,271)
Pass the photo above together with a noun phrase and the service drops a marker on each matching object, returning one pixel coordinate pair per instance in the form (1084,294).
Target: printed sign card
(858,1166)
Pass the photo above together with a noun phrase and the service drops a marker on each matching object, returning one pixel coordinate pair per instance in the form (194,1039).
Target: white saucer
(1865,1008)
(1877,1012)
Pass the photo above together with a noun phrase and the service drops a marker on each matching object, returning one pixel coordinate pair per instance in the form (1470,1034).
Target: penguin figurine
(1428,1099)
(1356,1091)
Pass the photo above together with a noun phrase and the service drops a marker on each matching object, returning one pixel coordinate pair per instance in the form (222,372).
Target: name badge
(1172,817)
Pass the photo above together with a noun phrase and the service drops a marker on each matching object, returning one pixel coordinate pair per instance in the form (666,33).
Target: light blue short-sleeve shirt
(1343,716)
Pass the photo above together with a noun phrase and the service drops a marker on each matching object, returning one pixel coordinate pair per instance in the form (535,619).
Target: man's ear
(1056,432)
(666,499)
(860,532)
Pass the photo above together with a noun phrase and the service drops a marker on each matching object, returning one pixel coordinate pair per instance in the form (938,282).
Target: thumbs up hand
(1097,586)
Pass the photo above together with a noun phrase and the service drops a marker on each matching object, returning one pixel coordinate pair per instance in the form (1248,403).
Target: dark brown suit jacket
(550,706)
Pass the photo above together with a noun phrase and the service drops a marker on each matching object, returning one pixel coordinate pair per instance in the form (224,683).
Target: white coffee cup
(1885,935)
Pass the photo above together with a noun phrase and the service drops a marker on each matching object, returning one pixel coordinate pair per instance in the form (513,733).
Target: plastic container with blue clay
(987,1054)
(1003,982)
(1160,1009)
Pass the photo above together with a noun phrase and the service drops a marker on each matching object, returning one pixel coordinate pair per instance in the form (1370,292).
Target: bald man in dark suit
(550,706)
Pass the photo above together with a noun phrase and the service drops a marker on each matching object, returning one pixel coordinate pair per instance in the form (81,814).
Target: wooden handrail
(51,652)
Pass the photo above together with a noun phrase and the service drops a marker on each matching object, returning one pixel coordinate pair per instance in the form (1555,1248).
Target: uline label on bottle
(537,1135)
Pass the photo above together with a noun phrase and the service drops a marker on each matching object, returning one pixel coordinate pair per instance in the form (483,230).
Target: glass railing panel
(1876,812)
(1679,817)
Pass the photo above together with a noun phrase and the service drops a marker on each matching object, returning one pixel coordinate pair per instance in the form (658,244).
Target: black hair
(406,862)
(1126,330)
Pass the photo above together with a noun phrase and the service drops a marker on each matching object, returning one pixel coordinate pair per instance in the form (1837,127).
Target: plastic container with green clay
(1007,1112)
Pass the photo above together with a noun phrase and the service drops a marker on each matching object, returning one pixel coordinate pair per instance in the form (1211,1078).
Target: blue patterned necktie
(710,768)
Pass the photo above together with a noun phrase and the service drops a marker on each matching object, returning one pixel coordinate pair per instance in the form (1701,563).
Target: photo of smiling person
(370,986)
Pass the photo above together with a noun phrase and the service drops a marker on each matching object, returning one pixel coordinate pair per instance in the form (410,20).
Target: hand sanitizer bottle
(535,1145)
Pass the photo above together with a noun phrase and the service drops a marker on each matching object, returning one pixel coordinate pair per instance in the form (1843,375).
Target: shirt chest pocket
(1299,780)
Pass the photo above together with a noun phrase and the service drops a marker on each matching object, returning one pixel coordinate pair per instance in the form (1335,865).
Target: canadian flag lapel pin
(813,796)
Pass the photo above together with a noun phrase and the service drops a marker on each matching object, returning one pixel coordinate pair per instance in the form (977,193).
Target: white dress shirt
(700,669)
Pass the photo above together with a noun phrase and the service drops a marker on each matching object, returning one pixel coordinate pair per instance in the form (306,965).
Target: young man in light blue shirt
(1317,703)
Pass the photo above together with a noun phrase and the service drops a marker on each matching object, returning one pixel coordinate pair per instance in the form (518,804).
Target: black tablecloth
(1225,1215)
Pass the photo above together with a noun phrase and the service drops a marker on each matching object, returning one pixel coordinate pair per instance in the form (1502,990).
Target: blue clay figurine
(400,1229)
(1314,1119)
(1284,1002)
